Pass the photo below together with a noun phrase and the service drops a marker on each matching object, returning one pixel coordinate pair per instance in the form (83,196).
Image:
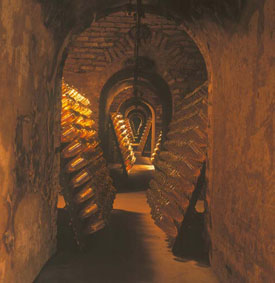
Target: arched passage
(130,105)
(130,108)
(231,33)
(178,170)
(122,81)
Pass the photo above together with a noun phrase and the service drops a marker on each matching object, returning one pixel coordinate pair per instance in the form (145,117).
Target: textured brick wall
(102,49)
(108,40)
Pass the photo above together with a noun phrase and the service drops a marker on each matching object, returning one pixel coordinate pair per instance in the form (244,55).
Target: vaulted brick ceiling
(108,44)
(109,40)
(107,47)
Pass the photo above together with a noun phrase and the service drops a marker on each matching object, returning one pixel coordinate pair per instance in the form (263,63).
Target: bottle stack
(157,147)
(123,139)
(87,187)
(179,163)
(144,135)
(129,129)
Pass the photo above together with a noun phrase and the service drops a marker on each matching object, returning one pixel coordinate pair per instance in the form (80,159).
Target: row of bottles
(157,147)
(179,163)
(124,140)
(130,130)
(87,187)
(144,135)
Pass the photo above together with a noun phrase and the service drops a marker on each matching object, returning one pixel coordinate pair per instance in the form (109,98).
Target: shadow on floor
(116,254)
(131,249)
(192,241)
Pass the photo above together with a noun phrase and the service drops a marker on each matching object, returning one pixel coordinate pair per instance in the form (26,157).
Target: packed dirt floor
(131,250)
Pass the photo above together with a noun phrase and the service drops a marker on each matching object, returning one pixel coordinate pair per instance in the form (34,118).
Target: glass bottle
(84,122)
(81,178)
(69,133)
(67,117)
(86,193)
(91,144)
(89,209)
(66,103)
(87,134)
(72,149)
(83,159)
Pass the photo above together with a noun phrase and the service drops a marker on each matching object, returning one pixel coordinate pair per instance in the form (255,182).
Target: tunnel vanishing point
(187,84)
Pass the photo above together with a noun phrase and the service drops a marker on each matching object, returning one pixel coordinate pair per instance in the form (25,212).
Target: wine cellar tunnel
(136,141)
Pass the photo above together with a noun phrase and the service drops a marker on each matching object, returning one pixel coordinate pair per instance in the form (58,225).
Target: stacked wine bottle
(87,187)
(129,129)
(157,147)
(144,135)
(179,163)
(124,141)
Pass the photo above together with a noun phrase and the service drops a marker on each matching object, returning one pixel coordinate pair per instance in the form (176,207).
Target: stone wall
(241,135)
(29,135)
(33,36)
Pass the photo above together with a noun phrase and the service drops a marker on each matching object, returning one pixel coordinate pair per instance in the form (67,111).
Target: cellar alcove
(151,98)
(215,59)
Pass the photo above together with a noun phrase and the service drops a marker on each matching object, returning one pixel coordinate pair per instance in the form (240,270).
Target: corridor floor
(131,250)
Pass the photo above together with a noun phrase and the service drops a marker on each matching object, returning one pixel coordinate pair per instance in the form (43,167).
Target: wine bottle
(91,144)
(86,193)
(72,149)
(76,164)
(83,159)
(128,167)
(83,133)
(118,124)
(84,122)
(124,142)
(87,174)
(122,135)
(120,128)
(86,112)
(81,178)
(68,117)
(67,103)
(93,226)
(77,146)
(69,133)
(89,209)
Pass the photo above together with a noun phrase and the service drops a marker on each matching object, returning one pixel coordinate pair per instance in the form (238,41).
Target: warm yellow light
(71,148)
(77,161)
(81,177)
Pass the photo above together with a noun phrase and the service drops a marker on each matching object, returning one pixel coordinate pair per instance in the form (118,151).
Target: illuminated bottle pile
(87,187)
(130,131)
(144,135)
(157,147)
(179,163)
(124,140)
